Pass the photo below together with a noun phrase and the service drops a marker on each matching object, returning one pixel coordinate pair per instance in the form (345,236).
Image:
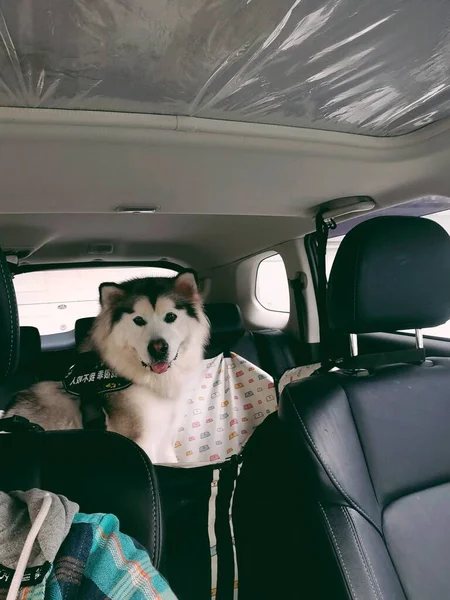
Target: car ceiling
(201,240)
(64,173)
(235,119)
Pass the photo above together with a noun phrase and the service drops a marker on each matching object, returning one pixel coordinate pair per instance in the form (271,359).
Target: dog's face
(156,318)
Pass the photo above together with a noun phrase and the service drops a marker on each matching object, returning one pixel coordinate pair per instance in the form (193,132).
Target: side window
(332,248)
(272,286)
(442,217)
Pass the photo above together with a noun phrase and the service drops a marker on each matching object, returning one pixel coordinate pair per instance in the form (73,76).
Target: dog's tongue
(160,367)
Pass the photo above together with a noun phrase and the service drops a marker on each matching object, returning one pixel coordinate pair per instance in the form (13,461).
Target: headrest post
(353,344)
(419,338)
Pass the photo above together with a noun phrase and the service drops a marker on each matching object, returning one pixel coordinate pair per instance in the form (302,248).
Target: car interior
(294,155)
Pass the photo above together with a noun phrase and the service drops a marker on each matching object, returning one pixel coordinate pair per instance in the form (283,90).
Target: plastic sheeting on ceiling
(375,67)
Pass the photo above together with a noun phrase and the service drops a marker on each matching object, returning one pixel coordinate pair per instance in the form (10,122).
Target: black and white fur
(151,331)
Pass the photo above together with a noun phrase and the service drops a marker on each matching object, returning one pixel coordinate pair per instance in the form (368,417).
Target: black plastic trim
(58,341)
(162,264)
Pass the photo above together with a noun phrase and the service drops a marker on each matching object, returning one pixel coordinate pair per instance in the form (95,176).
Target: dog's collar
(90,376)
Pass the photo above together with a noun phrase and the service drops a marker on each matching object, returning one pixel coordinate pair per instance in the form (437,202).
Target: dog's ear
(109,293)
(186,284)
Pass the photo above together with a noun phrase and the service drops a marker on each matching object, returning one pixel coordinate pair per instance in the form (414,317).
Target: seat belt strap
(91,411)
(298,289)
(323,227)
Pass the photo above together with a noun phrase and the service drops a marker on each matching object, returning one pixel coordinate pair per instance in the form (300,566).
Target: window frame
(94,264)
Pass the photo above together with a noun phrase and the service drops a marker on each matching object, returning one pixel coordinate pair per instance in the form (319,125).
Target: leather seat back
(277,351)
(373,445)
(9,322)
(101,471)
(25,374)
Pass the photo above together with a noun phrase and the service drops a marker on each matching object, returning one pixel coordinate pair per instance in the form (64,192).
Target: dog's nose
(158,348)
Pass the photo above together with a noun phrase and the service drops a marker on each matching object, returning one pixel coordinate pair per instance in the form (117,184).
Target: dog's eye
(140,322)
(170,317)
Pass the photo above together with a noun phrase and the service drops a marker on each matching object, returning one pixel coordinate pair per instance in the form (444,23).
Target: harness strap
(298,285)
(92,412)
(90,379)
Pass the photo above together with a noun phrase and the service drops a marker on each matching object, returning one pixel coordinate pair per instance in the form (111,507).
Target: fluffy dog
(144,350)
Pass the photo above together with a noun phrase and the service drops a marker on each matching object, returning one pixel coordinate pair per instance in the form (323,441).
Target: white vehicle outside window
(272,286)
(53,300)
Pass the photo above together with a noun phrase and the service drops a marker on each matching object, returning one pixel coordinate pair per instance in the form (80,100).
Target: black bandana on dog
(90,376)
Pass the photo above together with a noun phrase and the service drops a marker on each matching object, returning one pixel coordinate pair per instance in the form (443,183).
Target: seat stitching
(364,556)
(352,589)
(7,283)
(344,389)
(326,466)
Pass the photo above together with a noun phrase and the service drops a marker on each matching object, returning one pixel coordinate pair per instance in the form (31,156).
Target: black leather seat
(9,322)
(82,329)
(9,332)
(278,351)
(101,471)
(25,374)
(369,450)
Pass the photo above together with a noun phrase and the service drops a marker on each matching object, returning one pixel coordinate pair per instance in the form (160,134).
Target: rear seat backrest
(227,327)
(276,351)
(30,347)
(82,329)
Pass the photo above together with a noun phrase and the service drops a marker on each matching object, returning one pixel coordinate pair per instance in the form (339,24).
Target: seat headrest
(225,318)
(30,345)
(82,328)
(227,326)
(9,322)
(99,470)
(390,273)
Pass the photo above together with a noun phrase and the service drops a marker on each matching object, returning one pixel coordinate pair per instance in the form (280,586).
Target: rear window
(53,300)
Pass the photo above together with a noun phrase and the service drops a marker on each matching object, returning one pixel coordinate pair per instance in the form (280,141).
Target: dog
(149,340)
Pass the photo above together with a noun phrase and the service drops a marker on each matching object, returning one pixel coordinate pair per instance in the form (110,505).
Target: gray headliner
(225,190)
(204,241)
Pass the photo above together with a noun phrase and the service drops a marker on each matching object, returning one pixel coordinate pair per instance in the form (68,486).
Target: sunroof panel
(378,68)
